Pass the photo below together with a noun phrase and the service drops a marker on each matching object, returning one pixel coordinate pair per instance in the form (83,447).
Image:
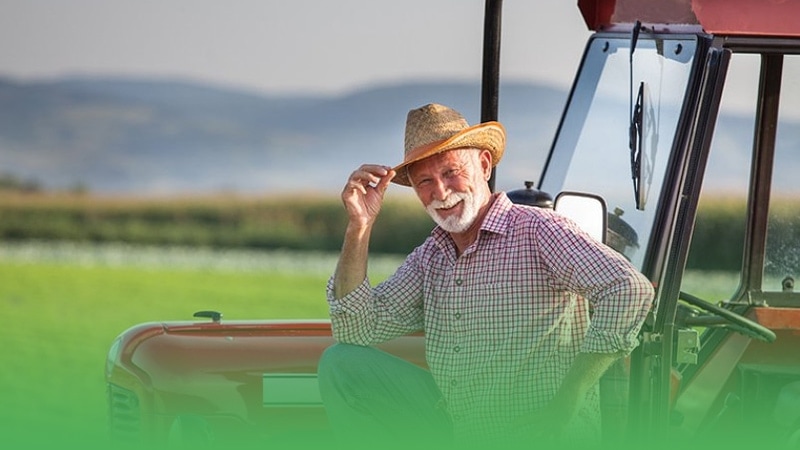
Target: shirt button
(456,349)
(458,315)
(459,281)
(454,381)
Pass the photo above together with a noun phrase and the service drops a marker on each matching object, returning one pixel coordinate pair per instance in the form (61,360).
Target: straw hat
(434,128)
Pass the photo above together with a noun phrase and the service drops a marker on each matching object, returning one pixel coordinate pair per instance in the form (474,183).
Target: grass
(61,313)
(63,304)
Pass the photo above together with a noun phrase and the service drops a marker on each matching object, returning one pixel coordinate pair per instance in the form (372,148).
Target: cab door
(734,366)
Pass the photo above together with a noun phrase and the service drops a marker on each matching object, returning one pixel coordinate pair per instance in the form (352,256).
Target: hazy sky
(286,46)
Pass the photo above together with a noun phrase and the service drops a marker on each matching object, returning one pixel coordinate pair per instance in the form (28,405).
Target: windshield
(592,151)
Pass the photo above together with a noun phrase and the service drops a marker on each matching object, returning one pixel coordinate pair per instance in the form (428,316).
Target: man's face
(452,186)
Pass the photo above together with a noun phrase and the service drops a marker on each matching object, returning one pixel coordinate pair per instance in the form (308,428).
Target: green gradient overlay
(59,322)
(60,319)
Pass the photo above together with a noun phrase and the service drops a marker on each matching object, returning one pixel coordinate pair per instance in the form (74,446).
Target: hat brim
(489,136)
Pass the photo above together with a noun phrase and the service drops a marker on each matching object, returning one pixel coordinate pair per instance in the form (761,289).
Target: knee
(341,368)
(340,357)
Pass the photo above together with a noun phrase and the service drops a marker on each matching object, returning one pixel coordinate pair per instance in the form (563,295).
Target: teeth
(450,206)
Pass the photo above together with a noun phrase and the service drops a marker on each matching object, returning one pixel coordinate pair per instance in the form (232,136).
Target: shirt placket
(459,346)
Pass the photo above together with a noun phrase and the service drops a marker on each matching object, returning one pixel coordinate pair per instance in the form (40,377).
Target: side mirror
(586,210)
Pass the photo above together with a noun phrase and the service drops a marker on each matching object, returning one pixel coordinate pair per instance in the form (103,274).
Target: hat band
(420,152)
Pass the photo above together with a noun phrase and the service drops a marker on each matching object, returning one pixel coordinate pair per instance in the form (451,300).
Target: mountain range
(164,137)
(167,137)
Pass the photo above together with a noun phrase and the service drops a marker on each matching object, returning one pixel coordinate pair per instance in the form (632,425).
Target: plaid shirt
(504,320)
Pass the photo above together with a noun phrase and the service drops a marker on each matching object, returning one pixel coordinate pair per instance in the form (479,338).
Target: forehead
(443,159)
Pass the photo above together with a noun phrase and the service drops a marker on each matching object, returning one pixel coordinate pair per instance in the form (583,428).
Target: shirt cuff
(603,341)
(350,303)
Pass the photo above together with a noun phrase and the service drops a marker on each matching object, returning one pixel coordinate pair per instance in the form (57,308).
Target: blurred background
(176,97)
(163,157)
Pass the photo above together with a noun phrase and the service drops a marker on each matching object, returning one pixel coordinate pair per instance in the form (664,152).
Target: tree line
(310,222)
(224,221)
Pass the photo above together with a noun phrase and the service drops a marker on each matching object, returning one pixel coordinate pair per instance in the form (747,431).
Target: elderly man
(502,292)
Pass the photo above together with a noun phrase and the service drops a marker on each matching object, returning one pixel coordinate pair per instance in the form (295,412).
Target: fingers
(383,184)
(370,175)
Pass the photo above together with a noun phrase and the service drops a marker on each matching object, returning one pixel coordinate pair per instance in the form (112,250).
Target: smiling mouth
(448,208)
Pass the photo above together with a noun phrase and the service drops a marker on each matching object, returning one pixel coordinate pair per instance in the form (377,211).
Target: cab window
(592,151)
(714,264)
(782,255)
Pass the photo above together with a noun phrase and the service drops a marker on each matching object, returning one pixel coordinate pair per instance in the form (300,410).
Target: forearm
(362,197)
(351,269)
(368,314)
(585,372)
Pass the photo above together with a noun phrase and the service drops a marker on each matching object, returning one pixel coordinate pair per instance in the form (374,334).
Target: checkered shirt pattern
(504,320)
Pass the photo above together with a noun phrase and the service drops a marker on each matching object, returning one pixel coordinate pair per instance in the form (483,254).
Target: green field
(63,305)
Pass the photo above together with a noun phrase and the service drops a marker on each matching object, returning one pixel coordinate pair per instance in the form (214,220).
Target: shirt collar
(496,220)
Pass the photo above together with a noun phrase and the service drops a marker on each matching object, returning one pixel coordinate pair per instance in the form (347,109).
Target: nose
(439,189)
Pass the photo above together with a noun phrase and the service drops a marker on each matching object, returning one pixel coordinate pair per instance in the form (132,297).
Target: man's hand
(363,194)
(362,197)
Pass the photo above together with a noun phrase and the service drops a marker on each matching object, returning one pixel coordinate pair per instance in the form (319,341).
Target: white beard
(457,223)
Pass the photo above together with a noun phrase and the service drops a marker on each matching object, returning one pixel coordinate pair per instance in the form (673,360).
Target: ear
(486,163)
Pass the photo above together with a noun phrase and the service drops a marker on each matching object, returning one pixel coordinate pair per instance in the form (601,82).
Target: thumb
(384,183)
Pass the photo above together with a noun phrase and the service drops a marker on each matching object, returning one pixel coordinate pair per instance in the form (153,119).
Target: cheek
(465,184)
(423,197)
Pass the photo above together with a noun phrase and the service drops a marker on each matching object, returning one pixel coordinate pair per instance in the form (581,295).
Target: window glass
(592,152)
(782,258)
(713,268)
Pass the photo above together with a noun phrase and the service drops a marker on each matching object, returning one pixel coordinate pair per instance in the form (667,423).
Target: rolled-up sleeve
(619,295)
(619,312)
(371,315)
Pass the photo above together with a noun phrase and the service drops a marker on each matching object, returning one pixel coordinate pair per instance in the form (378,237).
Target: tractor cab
(684,117)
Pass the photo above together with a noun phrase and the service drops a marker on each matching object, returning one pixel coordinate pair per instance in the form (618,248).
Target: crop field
(62,305)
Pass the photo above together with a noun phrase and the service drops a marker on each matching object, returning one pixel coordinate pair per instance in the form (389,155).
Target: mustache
(451,201)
